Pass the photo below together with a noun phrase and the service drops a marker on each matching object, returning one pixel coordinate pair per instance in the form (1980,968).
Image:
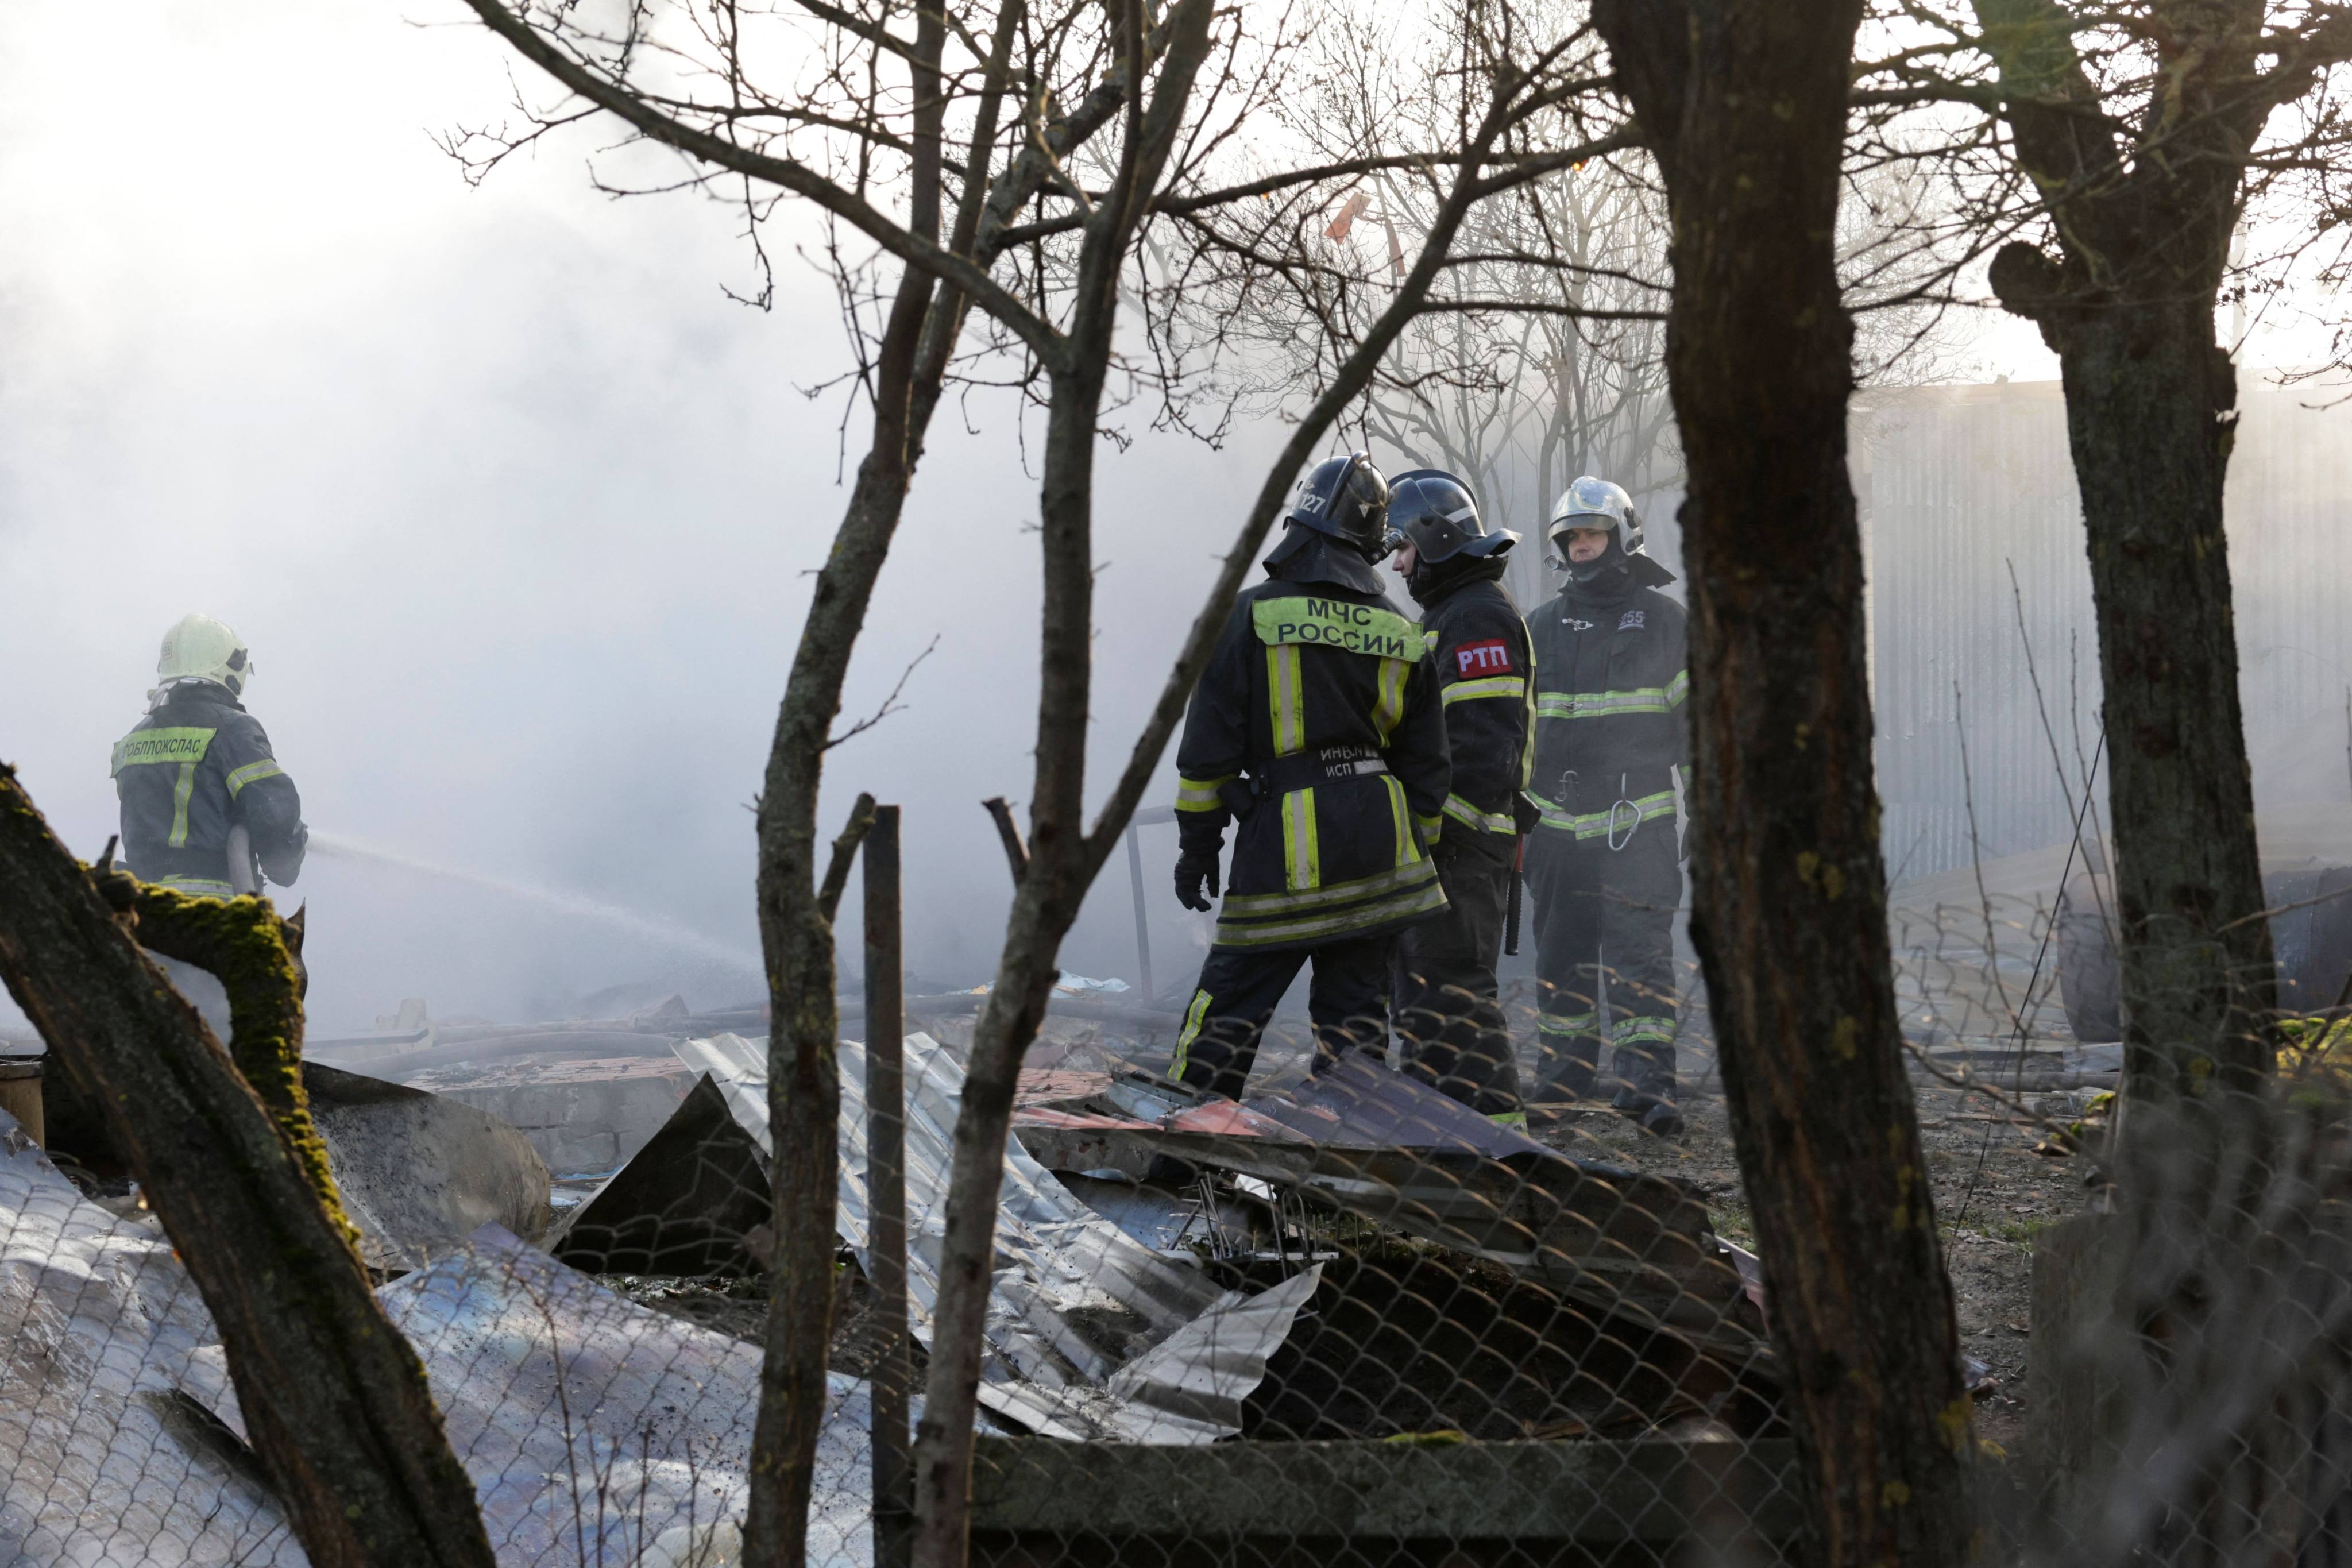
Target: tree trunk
(1044,905)
(795,921)
(2150,414)
(334,1398)
(804,1083)
(919,346)
(1745,102)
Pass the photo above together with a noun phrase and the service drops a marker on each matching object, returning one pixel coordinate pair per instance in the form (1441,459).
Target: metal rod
(886,1185)
(1143,928)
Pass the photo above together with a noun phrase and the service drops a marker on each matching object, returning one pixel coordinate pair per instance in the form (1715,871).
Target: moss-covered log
(333,1396)
(251,950)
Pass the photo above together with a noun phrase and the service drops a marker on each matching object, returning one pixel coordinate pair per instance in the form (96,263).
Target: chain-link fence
(1345,1319)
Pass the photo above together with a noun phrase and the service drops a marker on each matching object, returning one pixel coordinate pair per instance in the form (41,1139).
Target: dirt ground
(1992,1193)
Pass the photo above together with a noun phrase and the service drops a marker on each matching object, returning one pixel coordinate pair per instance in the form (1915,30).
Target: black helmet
(1347,499)
(1431,511)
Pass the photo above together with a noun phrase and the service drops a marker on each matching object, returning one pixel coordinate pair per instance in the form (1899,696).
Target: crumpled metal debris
(102,1460)
(594,1428)
(418,1173)
(1390,1149)
(1090,1334)
(687,1203)
(595,1431)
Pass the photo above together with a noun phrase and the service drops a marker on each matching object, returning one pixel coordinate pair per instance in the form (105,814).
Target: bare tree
(2119,153)
(1743,104)
(1566,375)
(2121,145)
(1545,357)
(1057,316)
(1512,85)
(1014,139)
(1557,366)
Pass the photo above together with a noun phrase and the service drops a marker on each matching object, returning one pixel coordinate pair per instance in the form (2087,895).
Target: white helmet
(1597,503)
(202,648)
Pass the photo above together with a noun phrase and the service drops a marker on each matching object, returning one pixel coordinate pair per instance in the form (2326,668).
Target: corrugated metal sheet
(1960,484)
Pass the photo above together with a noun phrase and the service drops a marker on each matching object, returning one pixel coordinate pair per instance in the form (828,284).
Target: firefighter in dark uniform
(1448,1009)
(206,810)
(1317,729)
(1604,863)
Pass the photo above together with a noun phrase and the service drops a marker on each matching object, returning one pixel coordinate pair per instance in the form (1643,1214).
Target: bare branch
(783,173)
(890,703)
(1008,831)
(844,856)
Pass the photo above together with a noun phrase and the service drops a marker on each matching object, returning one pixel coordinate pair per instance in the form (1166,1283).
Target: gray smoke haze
(515,510)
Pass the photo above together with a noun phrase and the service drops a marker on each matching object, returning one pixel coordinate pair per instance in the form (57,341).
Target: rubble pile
(1354,1256)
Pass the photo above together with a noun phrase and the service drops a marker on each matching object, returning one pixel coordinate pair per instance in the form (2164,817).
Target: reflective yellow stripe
(1283,694)
(1595,823)
(1200,795)
(1430,827)
(1469,815)
(1425,895)
(1302,858)
(1244,905)
(1408,846)
(1509,1119)
(1601,704)
(1492,686)
(1390,708)
(267,768)
(1191,1031)
(1633,1029)
(1565,1022)
(1528,736)
(175,743)
(180,793)
(1677,689)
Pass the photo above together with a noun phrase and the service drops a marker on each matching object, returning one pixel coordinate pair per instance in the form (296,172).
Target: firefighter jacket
(196,766)
(1317,723)
(1612,675)
(1485,667)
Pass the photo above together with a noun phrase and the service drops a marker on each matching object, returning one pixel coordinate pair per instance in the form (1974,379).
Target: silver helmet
(1597,503)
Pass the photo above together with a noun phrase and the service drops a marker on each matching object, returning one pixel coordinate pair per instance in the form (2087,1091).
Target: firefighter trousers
(1604,936)
(1346,999)
(1449,1017)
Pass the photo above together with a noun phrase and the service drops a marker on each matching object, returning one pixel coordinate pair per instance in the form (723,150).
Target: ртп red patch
(1492,657)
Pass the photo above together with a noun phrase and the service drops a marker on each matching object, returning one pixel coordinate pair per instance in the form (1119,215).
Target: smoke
(518,512)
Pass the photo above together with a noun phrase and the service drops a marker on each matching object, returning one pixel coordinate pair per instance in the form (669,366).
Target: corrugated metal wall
(1958,486)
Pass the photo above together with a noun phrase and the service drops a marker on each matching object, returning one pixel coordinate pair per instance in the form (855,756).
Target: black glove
(1194,872)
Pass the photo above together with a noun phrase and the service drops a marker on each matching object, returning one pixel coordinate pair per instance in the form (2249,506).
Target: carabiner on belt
(1616,844)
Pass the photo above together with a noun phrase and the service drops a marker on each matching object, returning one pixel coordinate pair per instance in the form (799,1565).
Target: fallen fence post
(886,1176)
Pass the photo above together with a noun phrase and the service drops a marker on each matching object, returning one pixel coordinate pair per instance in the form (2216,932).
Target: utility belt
(1600,787)
(1300,770)
(1605,804)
